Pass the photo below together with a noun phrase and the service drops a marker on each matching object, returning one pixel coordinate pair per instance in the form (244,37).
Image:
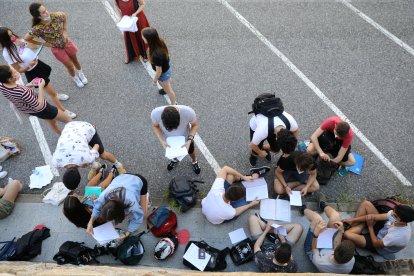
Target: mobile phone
(201,253)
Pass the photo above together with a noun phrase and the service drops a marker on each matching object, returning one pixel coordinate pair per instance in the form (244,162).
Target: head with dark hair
(405,213)
(115,206)
(235,192)
(283,253)
(75,211)
(71,178)
(6,43)
(6,73)
(342,128)
(303,161)
(170,118)
(39,12)
(155,43)
(344,252)
(286,140)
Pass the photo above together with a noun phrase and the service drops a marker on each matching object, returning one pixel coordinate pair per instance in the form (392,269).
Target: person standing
(134,44)
(160,61)
(51,27)
(17,53)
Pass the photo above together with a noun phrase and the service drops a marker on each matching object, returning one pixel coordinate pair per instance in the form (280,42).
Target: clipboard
(38,51)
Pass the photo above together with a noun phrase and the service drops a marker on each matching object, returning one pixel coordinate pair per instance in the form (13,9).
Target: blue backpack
(7,249)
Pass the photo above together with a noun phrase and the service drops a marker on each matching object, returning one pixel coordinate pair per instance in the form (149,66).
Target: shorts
(6,207)
(271,140)
(291,176)
(368,244)
(97,140)
(166,76)
(42,70)
(64,54)
(48,113)
(329,144)
(307,245)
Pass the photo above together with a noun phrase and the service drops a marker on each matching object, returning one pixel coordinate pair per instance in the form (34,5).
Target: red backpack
(162,222)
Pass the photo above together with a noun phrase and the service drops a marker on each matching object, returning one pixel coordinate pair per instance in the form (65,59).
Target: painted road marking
(197,139)
(318,92)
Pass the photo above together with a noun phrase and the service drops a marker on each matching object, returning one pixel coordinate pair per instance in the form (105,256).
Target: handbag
(56,194)
(128,24)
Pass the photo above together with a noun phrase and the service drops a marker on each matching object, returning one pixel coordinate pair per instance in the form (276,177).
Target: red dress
(134,45)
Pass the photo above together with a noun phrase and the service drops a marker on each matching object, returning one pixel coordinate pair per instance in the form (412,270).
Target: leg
(256,226)
(106,155)
(54,125)
(294,232)
(311,149)
(314,187)
(357,239)
(69,66)
(107,181)
(50,90)
(12,190)
(168,89)
(63,117)
(94,181)
(313,217)
(75,61)
(332,215)
(350,162)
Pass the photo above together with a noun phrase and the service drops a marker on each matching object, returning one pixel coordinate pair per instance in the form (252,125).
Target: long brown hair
(115,205)
(34,11)
(6,42)
(155,43)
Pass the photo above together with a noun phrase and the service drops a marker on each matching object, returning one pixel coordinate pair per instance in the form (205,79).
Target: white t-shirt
(26,54)
(394,239)
(259,124)
(187,116)
(324,262)
(73,145)
(213,205)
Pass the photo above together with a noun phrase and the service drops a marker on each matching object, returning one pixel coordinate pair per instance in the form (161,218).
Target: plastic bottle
(343,171)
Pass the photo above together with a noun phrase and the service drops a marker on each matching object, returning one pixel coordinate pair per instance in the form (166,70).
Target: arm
(279,175)
(157,75)
(226,170)
(340,155)
(41,96)
(144,204)
(257,150)
(260,240)
(318,229)
(158,132)
(191,133)
(375,242)
(338,239)
(315,142)
(31,39)
(242,209)
(377,217)
(311,179)
(141,7)
(117,9)
(64,31)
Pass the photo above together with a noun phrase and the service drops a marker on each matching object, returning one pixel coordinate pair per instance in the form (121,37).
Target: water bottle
(343,171)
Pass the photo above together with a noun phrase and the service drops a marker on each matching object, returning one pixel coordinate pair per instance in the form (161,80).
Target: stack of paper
(237,236)
(191,255)
(275,209)
(176,149)
(105,233)
(256,188)
(295,198)
(128,24)
(325,238)
(43,177)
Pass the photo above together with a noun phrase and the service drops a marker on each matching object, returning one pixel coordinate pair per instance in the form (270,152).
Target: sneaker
(253,160)
(82,78)
(102,170)
(302,209)
(172,165)
(261,171)
(78,82)
(196,167)
(93,171)
(70,113)
(268,156)
(162,92)
(62,97)
(121,170)
(321,202)
(114,170)
(3,174)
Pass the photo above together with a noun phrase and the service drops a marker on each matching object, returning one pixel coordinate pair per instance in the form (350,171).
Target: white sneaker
(82,77)
(70,114)
(3,174)
(78,82)
(62,97)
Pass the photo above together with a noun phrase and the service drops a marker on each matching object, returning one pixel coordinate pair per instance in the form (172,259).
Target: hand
(319,228)
(33,63)
(263,154)
(121,238)
(248,177)
(89,228)
(268,227)
(348,220)
(187,144)
(254,202)
(370,220)
(288,190)
(324,156)
(65,35)
(42,83)
(304,191)
(338,224)
(164,144)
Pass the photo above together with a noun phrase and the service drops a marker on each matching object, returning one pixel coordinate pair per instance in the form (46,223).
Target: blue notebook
(357,168)
(92,193)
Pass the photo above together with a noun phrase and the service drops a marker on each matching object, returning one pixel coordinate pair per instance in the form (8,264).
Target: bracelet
(190,137)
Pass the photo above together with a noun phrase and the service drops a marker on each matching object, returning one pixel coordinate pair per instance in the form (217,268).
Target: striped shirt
(23,98)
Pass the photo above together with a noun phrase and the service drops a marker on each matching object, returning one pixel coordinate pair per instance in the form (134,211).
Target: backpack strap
(271,128)
(285,121)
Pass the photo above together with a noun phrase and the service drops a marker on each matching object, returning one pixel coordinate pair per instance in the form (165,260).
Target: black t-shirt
(264,260)
(288,163)
(161,60)
(144,189)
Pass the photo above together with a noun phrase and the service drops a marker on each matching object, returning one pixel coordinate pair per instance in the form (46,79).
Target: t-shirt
(329,125)
(187,116)
(259,124)
(133,186)
(160,60)
(264,260)
(288,163)
(324,262)
(23,98)
(73,145)
(53,32)
(394,239)
(26,54)
(213,205)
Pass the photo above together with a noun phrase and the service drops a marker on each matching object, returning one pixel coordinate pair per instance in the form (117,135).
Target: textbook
(92,193)
(275,209)
(357,168)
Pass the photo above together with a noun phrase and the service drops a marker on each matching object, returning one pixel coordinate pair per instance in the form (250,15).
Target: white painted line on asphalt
(197,139)
(377,26)
(318,92)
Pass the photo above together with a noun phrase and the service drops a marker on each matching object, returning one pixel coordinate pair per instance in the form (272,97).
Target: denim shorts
(166,76)
(307,245)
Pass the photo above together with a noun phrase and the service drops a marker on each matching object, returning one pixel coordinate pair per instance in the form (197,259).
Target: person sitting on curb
(297,166)
(227,200)
(177,120)
(8,195)
(334,136)
(340,259)
(72,151)
(384,239)
(274,257)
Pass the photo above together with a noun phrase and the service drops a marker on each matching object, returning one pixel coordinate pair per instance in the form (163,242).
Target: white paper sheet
(275,209)
(42,179)
(325,238)
(237,235)
(295,198)
(175,148)
(192,256)
(279,229)
(256,188)
(105,233)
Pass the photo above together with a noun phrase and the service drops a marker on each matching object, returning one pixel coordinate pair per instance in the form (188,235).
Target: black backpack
(29,245)
(131,251)
(218,257)
(75,253)
(242,252)
(325,170)
(384,206)
(367,265)
(184,190)
(268,105)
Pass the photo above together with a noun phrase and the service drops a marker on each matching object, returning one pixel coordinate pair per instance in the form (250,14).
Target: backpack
(165,219)
(76,253)
(218,257)
(7,249)
(367,265)
(242,252)
(325,170)
(29,245)
(384,206)
(183,190)
(131,251)
(268,105)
